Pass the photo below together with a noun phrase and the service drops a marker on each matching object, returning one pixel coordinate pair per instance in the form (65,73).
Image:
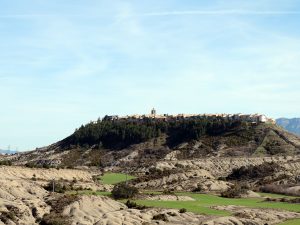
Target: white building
(262,119)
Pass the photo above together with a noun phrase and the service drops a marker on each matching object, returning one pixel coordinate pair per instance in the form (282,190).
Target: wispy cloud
(218,12)
(64,64)
(162,13)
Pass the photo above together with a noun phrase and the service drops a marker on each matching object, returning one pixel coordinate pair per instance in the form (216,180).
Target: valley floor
(24,200)
(232,160)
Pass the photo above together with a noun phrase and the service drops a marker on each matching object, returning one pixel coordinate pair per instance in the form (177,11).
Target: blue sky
(66,62)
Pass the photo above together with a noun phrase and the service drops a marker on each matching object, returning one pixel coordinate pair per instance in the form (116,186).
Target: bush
(134,205)
(251,172)
(46,166)
(57,205)
(5,217)
(287,200)
(54,219)
(123,190)
(12,214)
(168,192)
(130,204)
(5,163)
(162,217)
(235,192)
(183,210)
(33,177)
(59,186)
(199,188)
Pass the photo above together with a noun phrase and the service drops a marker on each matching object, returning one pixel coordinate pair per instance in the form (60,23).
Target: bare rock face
(22,197)
(207,172)
(221,167)
(98,210)
(16,172)
(172,155)
(21,201)
(187,181)
(226,221)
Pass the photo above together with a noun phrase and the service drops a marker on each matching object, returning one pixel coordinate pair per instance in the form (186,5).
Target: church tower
(153,112)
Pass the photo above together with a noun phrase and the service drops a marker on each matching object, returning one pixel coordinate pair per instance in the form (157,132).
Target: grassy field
(114,178)
(291,222)
(204,201)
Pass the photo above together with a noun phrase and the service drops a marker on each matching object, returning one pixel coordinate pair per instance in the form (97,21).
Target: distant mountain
(9,152)
(291,125)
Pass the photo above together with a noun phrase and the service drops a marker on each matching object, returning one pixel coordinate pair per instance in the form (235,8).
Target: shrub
(183,210)
(287,200)
(235,192)
(168,192)
(123,190)
(134,205)
(54,219)
(5,217)
(251,172)
(46,166)
(199,188)
(130,204)
(57,206)
(33,177)
(59,186)
(162,217)
(30,165)
(5,163)
(11,215)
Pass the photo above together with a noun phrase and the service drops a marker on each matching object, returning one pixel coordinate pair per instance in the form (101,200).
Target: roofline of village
(153,115)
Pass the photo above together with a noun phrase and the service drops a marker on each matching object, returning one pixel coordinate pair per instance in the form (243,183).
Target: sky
(65,63)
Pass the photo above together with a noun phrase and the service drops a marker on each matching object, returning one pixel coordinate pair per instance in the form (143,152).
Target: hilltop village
(252,118)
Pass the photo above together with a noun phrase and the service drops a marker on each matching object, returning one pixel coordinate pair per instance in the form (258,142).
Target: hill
(9,152)
(291,125)
(200,163)
(144,142)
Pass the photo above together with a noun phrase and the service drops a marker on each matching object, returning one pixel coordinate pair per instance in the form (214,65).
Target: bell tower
(153,112)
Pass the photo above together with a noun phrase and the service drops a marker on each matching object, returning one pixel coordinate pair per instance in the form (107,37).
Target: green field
(204,201)
(291,222)
(115,178)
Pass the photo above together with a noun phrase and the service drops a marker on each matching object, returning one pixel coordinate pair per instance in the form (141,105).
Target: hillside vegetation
(193,138)
(121,134)
(144,142)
